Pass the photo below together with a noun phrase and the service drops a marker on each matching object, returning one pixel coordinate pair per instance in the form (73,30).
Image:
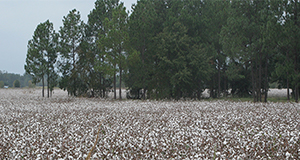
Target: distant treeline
(172,49)
(9,78)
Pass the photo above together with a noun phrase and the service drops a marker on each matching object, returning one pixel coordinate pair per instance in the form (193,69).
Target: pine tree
(141,32)
(115,42)
(95,61)
(70,37)
(42,54)
(246,40)
(292,33)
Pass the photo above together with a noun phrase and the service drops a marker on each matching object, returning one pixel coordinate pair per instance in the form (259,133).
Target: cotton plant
(63,127)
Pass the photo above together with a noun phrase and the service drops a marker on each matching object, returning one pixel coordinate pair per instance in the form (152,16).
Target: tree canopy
(173,49)
(42,55)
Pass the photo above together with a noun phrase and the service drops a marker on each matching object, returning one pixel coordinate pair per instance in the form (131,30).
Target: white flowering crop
(61,127)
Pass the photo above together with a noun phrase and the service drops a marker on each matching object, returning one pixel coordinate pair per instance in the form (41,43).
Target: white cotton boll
(158,123)
(38,156)
(291,140)
(287,154)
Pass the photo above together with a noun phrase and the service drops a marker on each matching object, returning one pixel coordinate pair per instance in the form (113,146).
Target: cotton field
(62,127)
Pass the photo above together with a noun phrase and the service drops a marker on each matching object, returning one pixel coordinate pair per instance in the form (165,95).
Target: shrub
(17,84)
(30,84)
(1,84)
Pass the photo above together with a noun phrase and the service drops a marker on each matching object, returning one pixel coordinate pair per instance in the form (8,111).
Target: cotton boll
(153,129)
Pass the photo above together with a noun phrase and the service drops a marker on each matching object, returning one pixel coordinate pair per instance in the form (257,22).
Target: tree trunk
(48,87)
(288,87)
(115,88)
(253,81)
(296,73)
(296,51)
(287,78)
(101,86)
(104,87)
(120,87)
(256,69)
(225,83)
(296,94)
(260,77)
(266,79)
(143,65)
(199,90)
(219,79)
(211,95)
(43,87)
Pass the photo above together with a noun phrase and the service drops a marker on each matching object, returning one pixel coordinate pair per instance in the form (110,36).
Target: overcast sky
(19,19)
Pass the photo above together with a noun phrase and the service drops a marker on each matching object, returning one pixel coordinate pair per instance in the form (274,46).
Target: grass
(280,99)
(250,99)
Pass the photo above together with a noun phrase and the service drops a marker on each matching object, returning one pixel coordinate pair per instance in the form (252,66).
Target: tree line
(172,49)
(14,80)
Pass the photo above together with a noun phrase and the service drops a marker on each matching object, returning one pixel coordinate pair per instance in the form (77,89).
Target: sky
(19,19)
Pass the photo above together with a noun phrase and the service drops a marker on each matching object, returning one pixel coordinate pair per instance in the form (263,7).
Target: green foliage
(1,84)
(145,22)
(114,43)
(30,84)
(134,64)
(17,84)
(9,78)
(287,58)
(96,69)
(178,60)
(42,54)
(71,34)
(248,39)
(168,57)
(172,49)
